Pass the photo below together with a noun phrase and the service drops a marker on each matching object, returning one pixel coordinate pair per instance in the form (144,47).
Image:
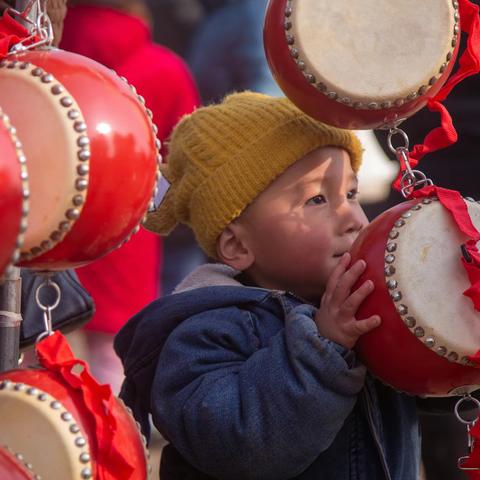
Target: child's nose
(353,218)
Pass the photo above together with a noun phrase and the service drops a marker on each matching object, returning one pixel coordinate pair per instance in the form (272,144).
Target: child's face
(300,226)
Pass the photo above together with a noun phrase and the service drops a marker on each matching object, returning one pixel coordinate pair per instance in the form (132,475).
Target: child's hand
(335,319)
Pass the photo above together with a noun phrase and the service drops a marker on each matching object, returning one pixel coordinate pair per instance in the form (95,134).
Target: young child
(248,369)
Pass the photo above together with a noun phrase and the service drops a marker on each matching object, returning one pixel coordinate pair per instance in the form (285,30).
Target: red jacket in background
(126,280)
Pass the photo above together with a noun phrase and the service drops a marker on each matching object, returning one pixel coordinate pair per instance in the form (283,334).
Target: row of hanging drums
(79,162)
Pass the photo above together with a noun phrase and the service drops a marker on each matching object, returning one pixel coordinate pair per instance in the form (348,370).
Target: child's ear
(233,250)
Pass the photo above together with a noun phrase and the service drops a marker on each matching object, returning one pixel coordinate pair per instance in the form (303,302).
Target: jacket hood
(140,342)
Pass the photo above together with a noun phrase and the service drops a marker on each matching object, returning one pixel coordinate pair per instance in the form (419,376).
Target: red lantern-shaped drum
(13,194)
(361,64)
(48,425)
(91,150)
(429,328)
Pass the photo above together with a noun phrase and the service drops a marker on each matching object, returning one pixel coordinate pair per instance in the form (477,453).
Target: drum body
(361,64)
(92,152)
(429,327)
(13,194)
(47,423)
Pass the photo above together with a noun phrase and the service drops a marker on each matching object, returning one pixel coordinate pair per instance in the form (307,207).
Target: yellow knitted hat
(222,156)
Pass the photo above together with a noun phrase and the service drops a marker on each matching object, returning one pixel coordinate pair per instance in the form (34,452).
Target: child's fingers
(360,327)
(335,276)
(351,304)
(347,280)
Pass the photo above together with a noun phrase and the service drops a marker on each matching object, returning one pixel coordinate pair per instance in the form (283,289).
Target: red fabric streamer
(446,135)
(11,33)
(113,456)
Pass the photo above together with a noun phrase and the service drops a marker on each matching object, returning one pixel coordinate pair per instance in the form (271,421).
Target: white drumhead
(39,108)
(424,261)
(372,52)
(36,426)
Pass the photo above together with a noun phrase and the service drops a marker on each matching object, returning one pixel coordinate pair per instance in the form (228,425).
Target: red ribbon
(11,33)
(111,444)
(469,64)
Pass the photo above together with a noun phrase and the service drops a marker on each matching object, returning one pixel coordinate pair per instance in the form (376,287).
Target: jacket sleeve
(237,411)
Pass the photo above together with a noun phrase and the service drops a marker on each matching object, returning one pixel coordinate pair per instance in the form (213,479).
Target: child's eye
(316,200)
(352,194)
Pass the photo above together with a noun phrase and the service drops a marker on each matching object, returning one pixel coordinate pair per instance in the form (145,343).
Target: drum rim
(302,66)
(21,158)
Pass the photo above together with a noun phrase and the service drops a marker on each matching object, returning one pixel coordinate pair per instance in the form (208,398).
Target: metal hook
(469,424)
(34,16)
(47,309)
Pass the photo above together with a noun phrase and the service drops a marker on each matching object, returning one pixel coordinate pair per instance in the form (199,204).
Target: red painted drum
(47,424)
(429,328)
(92,155)
(13,194)
(13,466)
(361,64)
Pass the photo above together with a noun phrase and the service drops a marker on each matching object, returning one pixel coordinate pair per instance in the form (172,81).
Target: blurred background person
(226,50)
(222,41)
(117,33)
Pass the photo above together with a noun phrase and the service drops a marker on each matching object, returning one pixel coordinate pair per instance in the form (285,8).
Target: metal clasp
(34,16)
(469,424)
(47,309)
(411,179)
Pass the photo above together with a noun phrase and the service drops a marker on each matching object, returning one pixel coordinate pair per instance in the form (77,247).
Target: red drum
(429,328)
(361,64)
(92,155)
(13,194)
(13,466)
(46,423)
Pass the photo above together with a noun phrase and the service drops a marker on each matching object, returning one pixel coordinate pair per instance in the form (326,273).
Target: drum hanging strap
(111,444)
(469,64)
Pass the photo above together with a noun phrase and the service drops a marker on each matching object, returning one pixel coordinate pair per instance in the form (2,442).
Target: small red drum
(91,150)
(13,194)
(429,328)
(361,64)
(13,466)
(47,425)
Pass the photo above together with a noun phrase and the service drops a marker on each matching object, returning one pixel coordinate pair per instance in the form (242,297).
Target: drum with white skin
(429,328)
(92,155)
(361,64)
(13,194)
(47,426)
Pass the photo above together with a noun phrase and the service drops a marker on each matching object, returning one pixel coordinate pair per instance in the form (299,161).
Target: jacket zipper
(371,424)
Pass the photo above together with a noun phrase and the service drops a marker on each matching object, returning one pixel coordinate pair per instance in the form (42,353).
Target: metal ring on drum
(465,399)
